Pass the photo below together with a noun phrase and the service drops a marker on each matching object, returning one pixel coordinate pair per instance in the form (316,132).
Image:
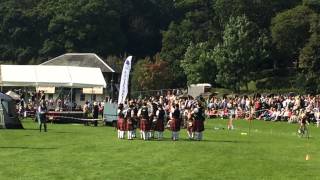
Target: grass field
(271,151)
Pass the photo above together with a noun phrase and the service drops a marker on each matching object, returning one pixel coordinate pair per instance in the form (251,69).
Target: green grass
(271,151)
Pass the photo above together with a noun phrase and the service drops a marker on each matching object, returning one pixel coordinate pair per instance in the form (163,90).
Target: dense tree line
(228,43)
(40,29)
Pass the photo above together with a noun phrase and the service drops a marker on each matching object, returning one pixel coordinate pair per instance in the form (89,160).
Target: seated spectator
(294,117)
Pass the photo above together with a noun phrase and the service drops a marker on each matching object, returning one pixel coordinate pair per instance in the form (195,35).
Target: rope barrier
(75,118)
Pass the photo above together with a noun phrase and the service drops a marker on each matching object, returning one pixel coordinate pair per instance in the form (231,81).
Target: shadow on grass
(61,132)
(194,141)
(49,131)
(32,129)
(23,147)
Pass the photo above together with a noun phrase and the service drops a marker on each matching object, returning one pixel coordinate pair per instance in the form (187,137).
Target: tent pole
(71,99)
(112,93)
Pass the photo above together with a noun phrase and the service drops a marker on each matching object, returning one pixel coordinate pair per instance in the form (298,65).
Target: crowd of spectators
(287,108)
(272,107)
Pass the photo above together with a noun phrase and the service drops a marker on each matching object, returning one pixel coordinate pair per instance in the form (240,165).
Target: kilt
(175,125)
(198,125)
(159,125)
(129,125)
(144,125)
(121,124)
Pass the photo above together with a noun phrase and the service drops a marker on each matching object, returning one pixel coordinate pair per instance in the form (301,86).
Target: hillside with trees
(232,44)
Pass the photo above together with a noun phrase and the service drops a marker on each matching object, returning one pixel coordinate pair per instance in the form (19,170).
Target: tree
(198,24)
(310,54)
(243,46)
(151,74)
(290,31)
(309,58)
(312,4)
(258,11)
(142,22)
(19,40)
(198,64)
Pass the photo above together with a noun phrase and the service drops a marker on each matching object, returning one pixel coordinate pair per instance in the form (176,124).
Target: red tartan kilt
(198,126)
(129,126)
(159,126)
(121,124)
(144,125)
(175,125)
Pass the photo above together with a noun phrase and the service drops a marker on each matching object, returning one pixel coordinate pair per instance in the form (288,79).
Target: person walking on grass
(232,113)
(42,110)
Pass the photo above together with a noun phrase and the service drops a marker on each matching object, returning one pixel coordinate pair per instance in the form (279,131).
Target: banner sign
(95,90)
(124,83)
(47,90)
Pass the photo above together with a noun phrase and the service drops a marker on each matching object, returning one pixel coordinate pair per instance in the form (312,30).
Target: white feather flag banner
(124,83)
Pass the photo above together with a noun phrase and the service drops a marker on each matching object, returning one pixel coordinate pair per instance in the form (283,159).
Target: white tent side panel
(53,76)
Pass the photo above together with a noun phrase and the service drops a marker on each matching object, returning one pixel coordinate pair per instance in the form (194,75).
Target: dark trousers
(43,122)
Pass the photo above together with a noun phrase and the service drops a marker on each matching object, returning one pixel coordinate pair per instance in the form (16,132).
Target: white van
(195,90)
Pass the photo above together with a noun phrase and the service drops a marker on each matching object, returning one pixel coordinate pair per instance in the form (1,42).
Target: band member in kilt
(175,123)
(135,119)
(144,121)
(121,124)
(153,118)
(160,114)
(198,115)
(129,121)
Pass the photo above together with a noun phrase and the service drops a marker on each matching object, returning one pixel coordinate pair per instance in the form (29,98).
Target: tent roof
(80,60)
(57,76)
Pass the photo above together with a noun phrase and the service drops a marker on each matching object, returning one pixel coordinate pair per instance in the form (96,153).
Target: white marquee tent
(56,76)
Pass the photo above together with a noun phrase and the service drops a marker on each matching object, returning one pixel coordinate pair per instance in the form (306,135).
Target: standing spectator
(232,113)
(42,110)
(85,111)
(101,108)
(95,113)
